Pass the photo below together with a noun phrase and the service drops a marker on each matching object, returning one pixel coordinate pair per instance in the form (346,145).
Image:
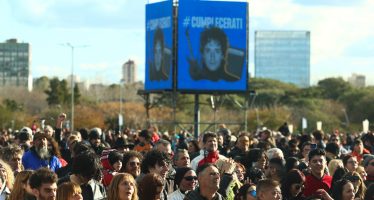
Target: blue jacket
(31,160)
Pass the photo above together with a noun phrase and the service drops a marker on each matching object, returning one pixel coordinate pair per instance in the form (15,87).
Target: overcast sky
(342,34)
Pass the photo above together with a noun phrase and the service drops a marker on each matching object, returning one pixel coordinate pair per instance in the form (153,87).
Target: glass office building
(283,56)
(15,64)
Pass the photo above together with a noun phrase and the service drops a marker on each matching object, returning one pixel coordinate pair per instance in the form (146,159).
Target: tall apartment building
(357,80)
(283,56)
(15,68)
(129,72)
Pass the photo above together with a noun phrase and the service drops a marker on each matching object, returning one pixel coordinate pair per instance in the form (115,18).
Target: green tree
(53,97)
(12,105)
(58,93)
(77,94)
(41,84)
(333,88)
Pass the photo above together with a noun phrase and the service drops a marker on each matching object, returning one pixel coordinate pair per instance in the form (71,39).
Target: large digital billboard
(159,43)
(212,46)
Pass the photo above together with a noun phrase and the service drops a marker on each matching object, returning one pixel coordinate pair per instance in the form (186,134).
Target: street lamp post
(120,116)
(72,83)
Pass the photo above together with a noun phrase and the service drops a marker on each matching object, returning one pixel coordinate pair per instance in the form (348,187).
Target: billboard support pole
(246,113)
(197,116)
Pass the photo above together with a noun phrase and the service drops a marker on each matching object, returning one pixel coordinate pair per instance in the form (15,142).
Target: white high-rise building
(129,72)
(283,56)
(357,80)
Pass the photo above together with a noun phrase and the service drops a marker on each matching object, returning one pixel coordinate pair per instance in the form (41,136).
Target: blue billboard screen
(212,46)
(159,43)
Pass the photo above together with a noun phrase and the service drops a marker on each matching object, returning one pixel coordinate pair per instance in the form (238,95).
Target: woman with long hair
(6,178)
(293,185)
(350,163)
(357,182)
(333,165)
(123,187)
(343,190)
(150,187)
(69,191)
(21,188)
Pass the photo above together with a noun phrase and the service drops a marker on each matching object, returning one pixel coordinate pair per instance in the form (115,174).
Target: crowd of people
(55,163)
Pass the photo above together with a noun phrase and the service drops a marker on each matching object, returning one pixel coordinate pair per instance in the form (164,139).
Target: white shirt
(176,195)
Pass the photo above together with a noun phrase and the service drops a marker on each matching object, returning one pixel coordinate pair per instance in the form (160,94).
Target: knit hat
(180,172)
(39,135)
(95,133)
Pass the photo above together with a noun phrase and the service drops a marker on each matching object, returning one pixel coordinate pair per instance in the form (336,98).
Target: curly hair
(152,158)
(214,34)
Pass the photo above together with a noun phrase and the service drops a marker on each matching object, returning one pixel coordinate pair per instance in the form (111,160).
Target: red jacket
(360,156)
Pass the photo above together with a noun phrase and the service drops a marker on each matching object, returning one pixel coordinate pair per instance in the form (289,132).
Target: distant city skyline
(342,35)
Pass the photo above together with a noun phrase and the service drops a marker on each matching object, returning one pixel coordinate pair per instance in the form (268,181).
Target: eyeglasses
(133,164)
(299,186)
(253,193)
(190,178)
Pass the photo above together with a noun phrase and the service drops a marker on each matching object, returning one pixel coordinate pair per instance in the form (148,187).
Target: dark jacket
(195,195)
(237,154)
(93,190)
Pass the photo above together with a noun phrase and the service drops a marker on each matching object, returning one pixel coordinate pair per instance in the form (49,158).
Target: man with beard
(39,156)
(44,184)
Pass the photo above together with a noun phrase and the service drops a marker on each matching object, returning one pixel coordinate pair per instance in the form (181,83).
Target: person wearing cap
(24,138)
(186,179)
(369,168)
(39,156)
(95,140)
(122,145)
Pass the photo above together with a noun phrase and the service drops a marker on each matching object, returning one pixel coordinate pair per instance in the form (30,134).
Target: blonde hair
(113,193)
(19,191)
(9,173)
(361,186)
(67,190)
(333,165)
